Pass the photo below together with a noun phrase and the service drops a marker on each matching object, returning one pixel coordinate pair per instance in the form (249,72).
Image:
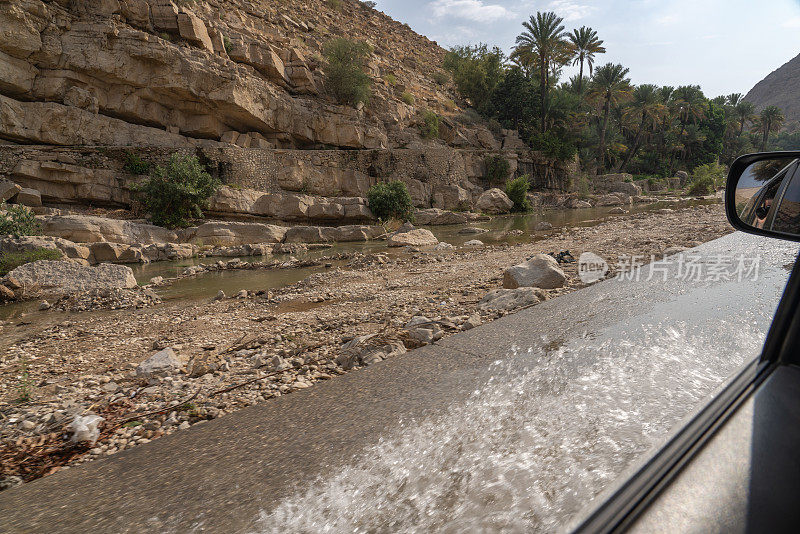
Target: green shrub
(476,72)
(369,3)
(334,4)
(430,126)
(553,146)
(581,186)
(226,42)
(517,191)
(440,77)
(177,192)
(11,260)
(18,221)
(345,75)
(408,98)
(135,164)
(390,200)
(391,79)
(706,178)
(702,185)
(497,168)
(710,171)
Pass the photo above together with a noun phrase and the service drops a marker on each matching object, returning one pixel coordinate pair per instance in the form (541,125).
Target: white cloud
(570,9)
(793,22)
(474,10)
(667,20)
(456,35)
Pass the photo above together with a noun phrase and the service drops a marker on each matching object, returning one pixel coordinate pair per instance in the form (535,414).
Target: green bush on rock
(430,126)
(390,200)
(134,164)
(517,191)
(345,75)
(18,221)
(497,169)
(177,192)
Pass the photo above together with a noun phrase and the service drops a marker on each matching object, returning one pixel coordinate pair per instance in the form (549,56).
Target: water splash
(525,452)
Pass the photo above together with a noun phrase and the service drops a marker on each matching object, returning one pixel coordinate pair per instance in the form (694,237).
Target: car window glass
(787,217)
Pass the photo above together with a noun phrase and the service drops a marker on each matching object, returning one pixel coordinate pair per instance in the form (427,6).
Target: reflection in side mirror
(763,194)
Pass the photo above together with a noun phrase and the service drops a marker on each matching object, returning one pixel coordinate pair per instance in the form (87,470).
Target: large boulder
(451,197)
(494,201)
(62,277)
(29,197)
(629,188)
(540,271)
(102,252)
(511,299)
(418,237)
(226,233)
(577,203)
(28,243)
(613,199)
(162,362)
(309,234)
(194,30)
(436,217)
(167,251)
(12,245)
(357,232)
(368,349)
(90,229)
(8,190)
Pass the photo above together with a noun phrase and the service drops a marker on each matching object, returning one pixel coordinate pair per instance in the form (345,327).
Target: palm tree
(647,107)
(771,120)
(734,99)
(585,44)
(744,111)
(691,102)
(610,85)
(543,40)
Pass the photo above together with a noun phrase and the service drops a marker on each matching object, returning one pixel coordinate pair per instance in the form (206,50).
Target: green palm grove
(599,115)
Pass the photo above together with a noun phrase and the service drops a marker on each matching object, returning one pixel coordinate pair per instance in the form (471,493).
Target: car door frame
(621,506)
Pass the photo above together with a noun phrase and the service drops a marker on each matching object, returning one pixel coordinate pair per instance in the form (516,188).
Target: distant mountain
(780,88)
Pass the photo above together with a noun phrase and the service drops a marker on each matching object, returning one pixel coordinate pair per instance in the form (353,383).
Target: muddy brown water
(498,231)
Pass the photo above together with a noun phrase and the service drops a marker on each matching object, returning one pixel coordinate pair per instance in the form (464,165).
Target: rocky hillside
(780,89)
(188,72)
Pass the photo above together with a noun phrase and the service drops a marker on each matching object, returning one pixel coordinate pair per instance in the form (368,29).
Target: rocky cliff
(779,88)
(176,73)
(85,83)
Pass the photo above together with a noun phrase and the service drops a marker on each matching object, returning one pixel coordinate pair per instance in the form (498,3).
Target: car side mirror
(762,194)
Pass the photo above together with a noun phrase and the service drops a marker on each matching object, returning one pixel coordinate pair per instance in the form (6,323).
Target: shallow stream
(232,281)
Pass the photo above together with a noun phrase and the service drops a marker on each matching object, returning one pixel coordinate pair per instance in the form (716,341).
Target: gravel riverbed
(238,350)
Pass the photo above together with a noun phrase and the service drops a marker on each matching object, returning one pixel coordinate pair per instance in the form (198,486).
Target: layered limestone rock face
(320,186)
(240,85)
(168,73)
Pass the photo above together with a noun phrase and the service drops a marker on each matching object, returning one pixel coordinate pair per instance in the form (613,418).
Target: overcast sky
(725,46)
